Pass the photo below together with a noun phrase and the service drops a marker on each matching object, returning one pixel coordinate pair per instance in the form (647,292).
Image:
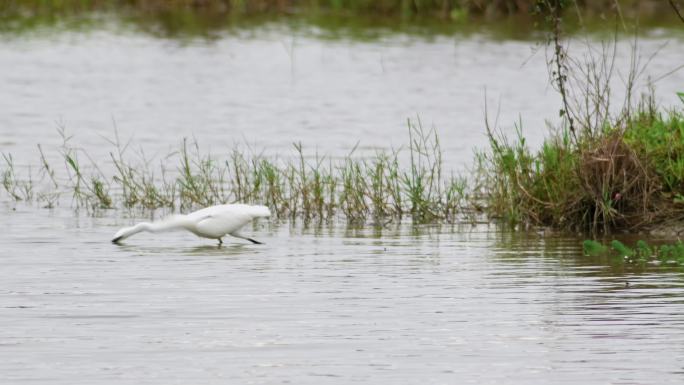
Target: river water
(332,304)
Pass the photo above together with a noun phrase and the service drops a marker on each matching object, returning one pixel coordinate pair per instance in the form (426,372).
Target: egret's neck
(142,226)
(170,223)
(128,231)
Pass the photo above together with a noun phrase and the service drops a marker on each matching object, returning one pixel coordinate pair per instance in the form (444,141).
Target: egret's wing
(220,224)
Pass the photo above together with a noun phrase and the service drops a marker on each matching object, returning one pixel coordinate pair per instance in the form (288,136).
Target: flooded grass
(642,253)
(378,188)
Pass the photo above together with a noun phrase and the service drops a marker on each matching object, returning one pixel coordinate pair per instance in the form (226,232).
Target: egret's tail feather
(260,211)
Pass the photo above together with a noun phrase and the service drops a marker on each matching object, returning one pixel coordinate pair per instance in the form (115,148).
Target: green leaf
(72,163)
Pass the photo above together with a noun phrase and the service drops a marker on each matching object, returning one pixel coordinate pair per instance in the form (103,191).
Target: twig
(679,14)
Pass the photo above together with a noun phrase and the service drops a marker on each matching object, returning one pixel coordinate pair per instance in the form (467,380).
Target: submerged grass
(641,253)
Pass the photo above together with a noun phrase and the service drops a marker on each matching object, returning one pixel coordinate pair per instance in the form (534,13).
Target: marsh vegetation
(306,186)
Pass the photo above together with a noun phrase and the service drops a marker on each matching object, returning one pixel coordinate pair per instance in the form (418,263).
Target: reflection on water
(403,304)
(224,250)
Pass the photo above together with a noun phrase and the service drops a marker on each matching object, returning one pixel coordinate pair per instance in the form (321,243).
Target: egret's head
(118,236)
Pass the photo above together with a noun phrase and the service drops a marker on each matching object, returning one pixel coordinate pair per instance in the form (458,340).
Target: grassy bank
(609,166)
(627,174)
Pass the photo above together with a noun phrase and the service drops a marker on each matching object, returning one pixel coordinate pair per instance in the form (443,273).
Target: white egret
(212,222)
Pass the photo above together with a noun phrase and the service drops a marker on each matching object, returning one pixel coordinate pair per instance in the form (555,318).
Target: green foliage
(621,249)
(643,249)
(617,177)
(533,188)
(17,189)
(594,248)
(671,254)
(660,139)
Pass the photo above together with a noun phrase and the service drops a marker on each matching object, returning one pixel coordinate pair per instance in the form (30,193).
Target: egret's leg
(238,235)
(254,241)
(220,241)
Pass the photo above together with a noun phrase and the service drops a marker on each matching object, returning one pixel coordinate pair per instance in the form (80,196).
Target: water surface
(399,305)
(266,89)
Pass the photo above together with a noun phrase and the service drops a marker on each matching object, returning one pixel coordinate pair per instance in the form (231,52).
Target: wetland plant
(316,188)
(606,167)
(642,252)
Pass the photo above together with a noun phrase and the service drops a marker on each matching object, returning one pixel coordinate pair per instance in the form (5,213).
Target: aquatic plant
(672,254)
(17,189)
(594,248)
(621,249)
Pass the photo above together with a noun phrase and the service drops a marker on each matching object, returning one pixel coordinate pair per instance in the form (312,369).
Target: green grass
(17,189)
(671,254)
(660,138)
(626,174)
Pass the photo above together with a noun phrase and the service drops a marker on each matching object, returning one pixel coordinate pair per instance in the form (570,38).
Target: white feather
(212,222)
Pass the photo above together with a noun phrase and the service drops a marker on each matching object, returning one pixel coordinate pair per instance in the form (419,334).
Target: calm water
(393,306)
(399,305)
(267,89)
